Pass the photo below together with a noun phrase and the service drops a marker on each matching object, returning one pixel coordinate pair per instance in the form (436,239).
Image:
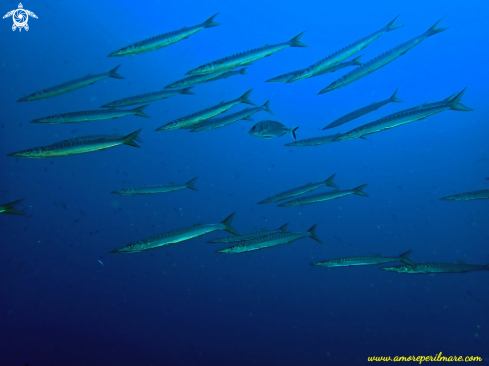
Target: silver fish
(250,236)
(66,148)
(299,190)
(9,208)
(213,123)
(268,129)
(156,189)
(314,141)
(270,241)
(114,136)
(246,58)
(194,118)
(147,98)
(286,77)
(423,268)
(205,78)
(315,198)
(95,115)
(70,86)
(363,111)
(468,196)
(381,60)
(344,53)
(163,40)
(177,236)
(363,261)
(406,116)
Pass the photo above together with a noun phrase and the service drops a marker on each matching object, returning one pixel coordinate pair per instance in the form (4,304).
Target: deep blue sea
(64,300)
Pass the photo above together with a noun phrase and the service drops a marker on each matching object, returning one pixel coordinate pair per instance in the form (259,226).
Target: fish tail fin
(296,41)
(190,184)
(283,228)
(434,30)
(404,257)
(358,190)
(243,71)
(312,231)
(455,104)
(129,139)
(292,132)
(8,208)
(266,107)
(394,97)
(210,22)
(187,91)
(356,60)
(329,182)
(139,111)
(227,224)
(245,96)
(113,73)
(391,26)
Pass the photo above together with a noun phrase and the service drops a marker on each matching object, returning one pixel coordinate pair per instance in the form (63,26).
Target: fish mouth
(116,192)
(39,120)
(170,86)
(15,154)
(115,251)
(23,99)
(114,54)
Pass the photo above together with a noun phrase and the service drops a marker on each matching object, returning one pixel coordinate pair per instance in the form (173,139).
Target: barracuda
(205,78)
(299,190)
(344,53)
(250,236)
(315,198)
(363,261)
(194,118)
(163,40)
(147,98)
(157,188)
(428,268)
(246,58)
(468,196)
(270,241)
(70,147)
(381,60)
(406,116)
(363,111)
(177,236)
(314,141)
(70,86)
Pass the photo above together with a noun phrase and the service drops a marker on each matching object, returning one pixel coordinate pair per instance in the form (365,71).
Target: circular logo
(20,18)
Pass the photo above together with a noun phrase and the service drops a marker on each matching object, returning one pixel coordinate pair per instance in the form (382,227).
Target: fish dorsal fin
(461,262)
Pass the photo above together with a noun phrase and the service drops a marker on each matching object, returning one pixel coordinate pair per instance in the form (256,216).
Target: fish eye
(123,48)
(200,68)
(130,245)
(27,151)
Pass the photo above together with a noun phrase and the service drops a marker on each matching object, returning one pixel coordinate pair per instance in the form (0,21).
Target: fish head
(268,200)
(256,130)
(328,264)
(176,84)
(169,126)
(286,204)
(124,51)
(451,198)
(203,69)
(137,246)
(301,74)
(35,153)
(123,191)
(353,134)
(398,269)
(32,96)
(231,250)
(51,119)
(334,85)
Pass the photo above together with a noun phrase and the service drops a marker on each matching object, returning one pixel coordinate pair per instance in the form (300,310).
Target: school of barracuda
(207,120)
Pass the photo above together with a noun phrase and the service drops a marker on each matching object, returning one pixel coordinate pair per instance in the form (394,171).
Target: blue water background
(184,304)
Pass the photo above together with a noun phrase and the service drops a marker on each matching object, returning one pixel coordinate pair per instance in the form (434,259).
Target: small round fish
(268,129)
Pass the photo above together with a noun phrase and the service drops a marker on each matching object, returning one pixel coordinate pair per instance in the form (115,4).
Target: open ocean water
(64,300)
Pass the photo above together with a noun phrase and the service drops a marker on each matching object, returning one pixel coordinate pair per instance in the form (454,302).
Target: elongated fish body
(269,129)
(406,116)
(286,77)
(194,118)
(67,147)
(205,78)
(176,236)
(315,198)
(114,136)
(245,58)
(469,196)
(164,188)
(363,261)
(213,123)
(344,53)
(269,241)
(250,236)
(363,111)
(163,40)
(299,190)
(95,115)
(381,60)
(423,268)
(70,86)
(314,141)
(146,98)
(9,208)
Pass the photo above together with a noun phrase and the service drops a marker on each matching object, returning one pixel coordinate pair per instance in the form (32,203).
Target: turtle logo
(20,17)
